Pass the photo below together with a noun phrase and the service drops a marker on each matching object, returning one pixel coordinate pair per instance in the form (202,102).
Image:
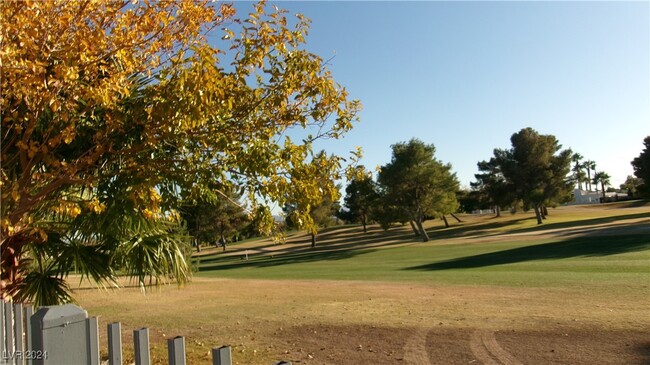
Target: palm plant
(99,246)
(578,174)
(602,178)
(107,231)
(590,166)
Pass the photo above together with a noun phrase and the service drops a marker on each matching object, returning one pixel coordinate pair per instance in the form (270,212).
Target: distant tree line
(535,173)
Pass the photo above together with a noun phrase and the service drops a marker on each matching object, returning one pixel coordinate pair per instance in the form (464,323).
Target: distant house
(586,197)
(615,196)
(594,197)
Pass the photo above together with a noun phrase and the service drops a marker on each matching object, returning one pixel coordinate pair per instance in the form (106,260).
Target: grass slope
(577,246)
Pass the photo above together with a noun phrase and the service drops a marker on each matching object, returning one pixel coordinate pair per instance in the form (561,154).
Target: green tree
(631,186)
(419,184)
(213,219)
(386,212)
(470,200)
(536,169)
(149,111)
(602,178)
(492,186)
(360,198)
(641,165)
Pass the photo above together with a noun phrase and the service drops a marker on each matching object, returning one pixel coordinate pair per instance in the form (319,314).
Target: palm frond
(43,286)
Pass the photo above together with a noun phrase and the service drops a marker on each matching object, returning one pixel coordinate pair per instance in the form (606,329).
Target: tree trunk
(456,218)
(538,214)
(415,230)
(602,186)
(423,233)
(222,239)
(545,210)
(445,219)
(363,222)
(498,210)
(313,240)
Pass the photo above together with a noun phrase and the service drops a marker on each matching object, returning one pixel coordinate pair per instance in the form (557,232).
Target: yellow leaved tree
(113,112)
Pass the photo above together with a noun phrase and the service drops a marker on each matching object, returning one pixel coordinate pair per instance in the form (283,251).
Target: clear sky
(465,76)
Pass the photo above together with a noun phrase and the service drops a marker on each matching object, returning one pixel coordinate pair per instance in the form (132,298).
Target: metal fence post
(18,333)
(2,332)
(8,354)
(115,343)
(176,350)
(93,341)
(29,312)
(221,355)
(141,346)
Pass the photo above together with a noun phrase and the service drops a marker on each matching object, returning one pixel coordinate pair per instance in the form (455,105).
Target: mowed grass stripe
(601,261)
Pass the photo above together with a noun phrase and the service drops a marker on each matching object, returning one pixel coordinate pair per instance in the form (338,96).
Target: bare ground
(334,323)
(347,322)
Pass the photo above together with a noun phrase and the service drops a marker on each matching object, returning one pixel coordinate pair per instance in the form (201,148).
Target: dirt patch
(353,344)
(569,346)
(359,344)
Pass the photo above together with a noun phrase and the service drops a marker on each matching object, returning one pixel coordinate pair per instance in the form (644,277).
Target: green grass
(583,261)
(607,262)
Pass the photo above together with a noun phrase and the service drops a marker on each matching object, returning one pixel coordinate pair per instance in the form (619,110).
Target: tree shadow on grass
(295,257)
(326,246)
(476,229)
(578,224)
(573,247)
(626,204)
(486,229)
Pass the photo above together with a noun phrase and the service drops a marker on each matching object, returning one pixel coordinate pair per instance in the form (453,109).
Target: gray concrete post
(141,346)
(176,350)
(115,343)
(221,355)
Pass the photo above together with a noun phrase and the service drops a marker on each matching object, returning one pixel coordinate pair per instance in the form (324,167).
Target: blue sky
(465,76)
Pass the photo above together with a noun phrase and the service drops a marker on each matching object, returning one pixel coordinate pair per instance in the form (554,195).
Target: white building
(586,197)
(594,197)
